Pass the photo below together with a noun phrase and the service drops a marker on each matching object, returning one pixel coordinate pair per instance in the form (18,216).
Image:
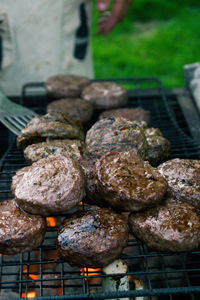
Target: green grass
(150,46)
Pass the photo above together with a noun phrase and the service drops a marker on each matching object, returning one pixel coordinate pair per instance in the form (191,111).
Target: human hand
(109,20)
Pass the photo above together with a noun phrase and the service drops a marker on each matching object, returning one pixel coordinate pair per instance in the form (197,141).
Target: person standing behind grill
(41,38)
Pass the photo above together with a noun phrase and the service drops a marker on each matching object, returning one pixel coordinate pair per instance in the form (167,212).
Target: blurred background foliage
(156,39)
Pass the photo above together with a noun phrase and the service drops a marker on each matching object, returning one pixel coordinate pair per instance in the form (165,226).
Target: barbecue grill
(150,275)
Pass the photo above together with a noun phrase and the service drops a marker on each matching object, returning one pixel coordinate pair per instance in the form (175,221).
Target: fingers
(109,20)
(102,5)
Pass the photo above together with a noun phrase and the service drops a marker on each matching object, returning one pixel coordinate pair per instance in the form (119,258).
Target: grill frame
(160,282)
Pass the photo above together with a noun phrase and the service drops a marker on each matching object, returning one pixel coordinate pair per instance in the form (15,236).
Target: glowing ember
(51,222)
(91,272)
(59,292)
(32,276)
(31,294)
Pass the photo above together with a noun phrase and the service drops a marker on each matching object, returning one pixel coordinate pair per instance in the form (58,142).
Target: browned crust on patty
(50,126)
(137,113)
(158,146)
(74,107)
(52,185)
(116,134)
(170,226)
(65,85)
(19,231)
(93,197)
(183,178)
(105,95)
(92,238)
(127,182)
(68,148)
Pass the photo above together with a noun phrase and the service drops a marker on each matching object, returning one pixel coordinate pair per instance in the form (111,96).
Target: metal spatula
(14,116)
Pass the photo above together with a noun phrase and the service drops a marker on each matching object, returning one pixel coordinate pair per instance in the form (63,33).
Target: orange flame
(59,291)
(91,272)
(51,222)
(32,276)
(31,294)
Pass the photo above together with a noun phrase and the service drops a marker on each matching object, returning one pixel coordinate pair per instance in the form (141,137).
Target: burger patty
(183,178)
(74,107)
(128,183)
(116,134)
(138,114)
(158,146)
(52,126)
(68,148)
(105,95)
(19,231)
(93,197)
(65,85)
(92,238)
(49,186)
(170,226)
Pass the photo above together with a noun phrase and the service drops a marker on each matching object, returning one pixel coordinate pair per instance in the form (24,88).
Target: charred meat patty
(128,183)
(158,146)
(92,238)
(49,186)
(138,114)
(50,126)
(183,178)
(68,148)
(170,226)
(74,107)
(65,85)
(105,95)
(93,197)
(19,231)
(116,134)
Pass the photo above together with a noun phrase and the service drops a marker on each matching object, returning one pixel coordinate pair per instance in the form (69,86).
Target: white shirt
(39,39)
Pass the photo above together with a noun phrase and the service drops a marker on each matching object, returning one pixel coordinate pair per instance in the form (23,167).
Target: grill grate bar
(164,275)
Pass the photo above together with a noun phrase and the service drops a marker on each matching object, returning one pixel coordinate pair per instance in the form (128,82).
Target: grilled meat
(116,134)
(170,226)
(183,178)
(65,85)
(52,126)
(128,183)
(93,197)
(19,231)
(138,114)
(74,107)
(158,146)
(49,186)
(105,95)
(68,148)
(92,238)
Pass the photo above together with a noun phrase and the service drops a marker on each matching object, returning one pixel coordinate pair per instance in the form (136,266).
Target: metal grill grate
(163,275)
